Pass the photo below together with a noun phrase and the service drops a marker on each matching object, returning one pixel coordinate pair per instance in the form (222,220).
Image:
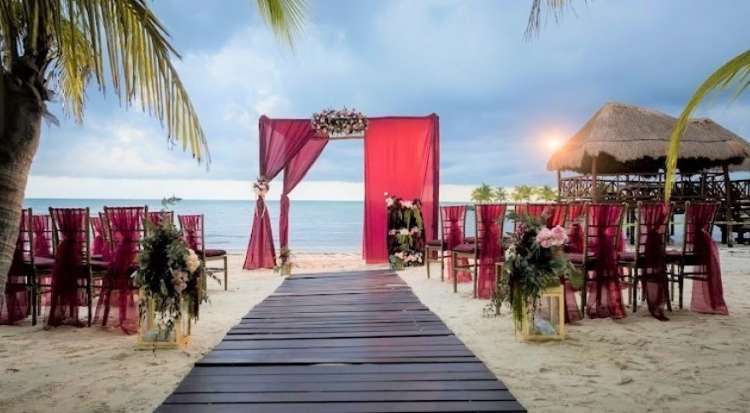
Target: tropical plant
(56,48)
(500,194)
(523,193)
(546,193)
(734,74)
(534,260)
(483,193)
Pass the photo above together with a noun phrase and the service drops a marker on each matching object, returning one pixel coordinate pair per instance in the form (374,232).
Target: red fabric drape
(490,251)
(97,247)
(708,293)
(401,158)
(653,268)
(454,219)
(604,297)
(42,236)
(280,141)
(192,231)
(536,210)
(156,217)
(557,214)
(117,291)
(15,304)
(294,171)
(68,273)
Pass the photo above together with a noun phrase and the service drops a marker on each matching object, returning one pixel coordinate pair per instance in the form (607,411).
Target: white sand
(692,363)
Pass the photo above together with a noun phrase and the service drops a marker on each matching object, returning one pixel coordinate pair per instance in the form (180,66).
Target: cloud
(498,97)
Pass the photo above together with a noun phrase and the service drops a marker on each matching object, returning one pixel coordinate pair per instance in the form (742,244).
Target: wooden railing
(631,188)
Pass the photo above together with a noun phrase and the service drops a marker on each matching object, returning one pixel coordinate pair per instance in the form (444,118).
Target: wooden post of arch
(594,188)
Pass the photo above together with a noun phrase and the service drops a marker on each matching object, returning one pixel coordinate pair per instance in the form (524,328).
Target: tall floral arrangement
(534,260)
(261,186)
(170,274)
(342,122)
(405,231)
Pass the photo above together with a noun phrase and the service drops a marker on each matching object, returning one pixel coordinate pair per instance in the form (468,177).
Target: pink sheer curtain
(454,219)
(118,293)
(97,246)
(192,230)
(490,252)
(157,217)
(68,273)
(42,236)
(653,224)
(15,305)
(294,172)
(401,158)
(280,141)
(604,297)
(107,249)
(708,293)
(557,214)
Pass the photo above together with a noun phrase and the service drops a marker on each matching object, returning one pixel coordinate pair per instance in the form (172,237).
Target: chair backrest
(651,230)
(156,217)
(557,214)
(490,219)
(575,211)
(43,243)
(453,224)
(536,209)
(25,240)
(71,225)
(192,228)
(125,225)
(699,217)
(602,232)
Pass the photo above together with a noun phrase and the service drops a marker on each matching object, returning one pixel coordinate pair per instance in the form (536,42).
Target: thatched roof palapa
(629,139)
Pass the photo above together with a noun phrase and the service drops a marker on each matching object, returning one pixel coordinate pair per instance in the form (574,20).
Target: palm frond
(286,18)
(554,7)
(138,55)
(734,73)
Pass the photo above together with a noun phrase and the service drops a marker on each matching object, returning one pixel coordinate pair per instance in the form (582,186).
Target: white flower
(403,231)
(179,280)
(407,204)
(192,262)
(389,202)
(385,194)
(510,253)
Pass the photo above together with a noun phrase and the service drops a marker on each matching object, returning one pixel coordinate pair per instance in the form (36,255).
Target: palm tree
(482,193)
(499,194)
(63,45)
(733,74)
(523,193)
(546,193)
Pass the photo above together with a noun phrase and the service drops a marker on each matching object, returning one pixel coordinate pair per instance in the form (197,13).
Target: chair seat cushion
(437,244)
(464,248)
(214,253)
(43,262)
(99,265)
(577,258)
(626,256)
(470,240)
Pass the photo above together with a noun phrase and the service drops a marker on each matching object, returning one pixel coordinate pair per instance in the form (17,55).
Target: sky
(501,98)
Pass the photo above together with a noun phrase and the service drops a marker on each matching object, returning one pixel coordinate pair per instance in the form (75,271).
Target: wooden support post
(729,218)
(594,187)
(559,186)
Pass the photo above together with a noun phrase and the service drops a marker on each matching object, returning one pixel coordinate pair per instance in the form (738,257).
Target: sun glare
(553,143)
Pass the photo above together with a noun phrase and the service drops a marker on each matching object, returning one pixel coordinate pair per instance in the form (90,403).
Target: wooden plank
(403,342)
(215,359)
(337,396)
(294,336)
(362,407)
(196,386)
(422,377)
(339,369)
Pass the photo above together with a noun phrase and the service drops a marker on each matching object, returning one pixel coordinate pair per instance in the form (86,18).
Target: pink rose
(560,235)
(546,243)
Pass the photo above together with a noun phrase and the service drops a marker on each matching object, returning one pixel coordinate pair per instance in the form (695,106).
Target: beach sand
(692,363)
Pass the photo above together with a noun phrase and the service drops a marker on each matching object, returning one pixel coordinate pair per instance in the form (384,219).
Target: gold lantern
(548,322)
(152,337)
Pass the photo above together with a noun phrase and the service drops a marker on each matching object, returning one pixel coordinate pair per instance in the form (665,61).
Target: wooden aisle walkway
(341,342)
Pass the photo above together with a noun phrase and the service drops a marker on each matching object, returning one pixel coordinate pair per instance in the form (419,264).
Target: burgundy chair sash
(490,252)
(708,292)
(42,236)
(97,247)
(604,297)
(67,271)
(653,220)
(15,305)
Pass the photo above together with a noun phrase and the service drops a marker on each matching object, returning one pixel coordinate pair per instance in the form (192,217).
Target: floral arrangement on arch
(261,187)
(284,261)
(534,260)
(170,274)
(340,122)
(405,231)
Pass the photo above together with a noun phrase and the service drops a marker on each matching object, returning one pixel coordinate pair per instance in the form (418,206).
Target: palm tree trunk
(20,129)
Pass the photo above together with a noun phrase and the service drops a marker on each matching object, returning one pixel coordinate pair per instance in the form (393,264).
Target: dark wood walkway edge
(341,342)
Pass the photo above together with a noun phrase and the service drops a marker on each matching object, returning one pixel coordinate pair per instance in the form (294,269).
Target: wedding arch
(402,157)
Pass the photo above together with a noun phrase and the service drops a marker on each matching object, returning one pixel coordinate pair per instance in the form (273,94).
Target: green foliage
(522,193)
(530,267)
(500,194)
(546,193)
(284,260)
(483,193)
